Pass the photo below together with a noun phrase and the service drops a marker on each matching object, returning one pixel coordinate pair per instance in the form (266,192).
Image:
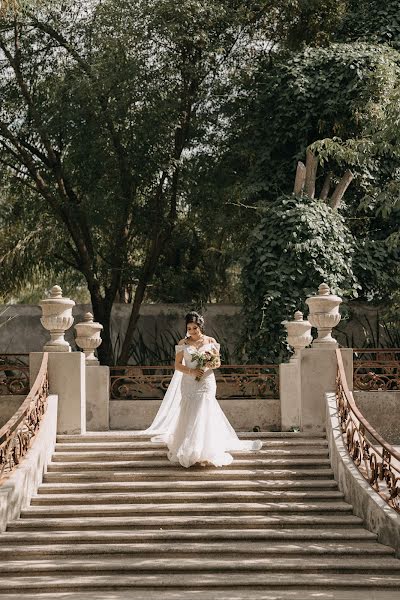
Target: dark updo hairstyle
(194,317)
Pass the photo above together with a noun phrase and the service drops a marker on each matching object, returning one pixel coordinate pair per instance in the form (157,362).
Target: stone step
(268,463)
(183,497)
(183,581)
(248,592)
(206,565)
(229,582)
(114,514)
(117,455)
(182,549)
(130,436)
(98,536)
(148,445)
(167,486)
(251,521)
(193,474)
(206,508)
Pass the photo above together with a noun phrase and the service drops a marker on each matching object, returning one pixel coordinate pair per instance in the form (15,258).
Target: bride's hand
(198,373)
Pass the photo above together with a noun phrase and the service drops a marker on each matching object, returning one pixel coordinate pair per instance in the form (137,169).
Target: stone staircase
(113,515)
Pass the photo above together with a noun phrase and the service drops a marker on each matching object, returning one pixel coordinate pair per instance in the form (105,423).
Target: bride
(190,420)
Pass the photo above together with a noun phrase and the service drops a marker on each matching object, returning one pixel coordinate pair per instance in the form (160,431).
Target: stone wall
(243,415)
(382,410)
(362,323)
(26,334)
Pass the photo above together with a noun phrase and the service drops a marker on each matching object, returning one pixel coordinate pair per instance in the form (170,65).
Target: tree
(106,107)
(103,105)
(299,242)
(372,21)
(341,100)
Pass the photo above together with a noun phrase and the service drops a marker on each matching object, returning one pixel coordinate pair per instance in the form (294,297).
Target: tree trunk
(133,320)
(147,273)
(102,314)
(105,351)
(311,173)
(326,187)
(300,179)
(341,189)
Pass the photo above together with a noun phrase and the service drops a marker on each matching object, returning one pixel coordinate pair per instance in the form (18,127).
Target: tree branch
(102,100)
(341,189)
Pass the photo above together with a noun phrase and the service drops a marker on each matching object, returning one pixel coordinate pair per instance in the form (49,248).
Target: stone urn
(324,315)
(57,318)
(298,334)
(88,338)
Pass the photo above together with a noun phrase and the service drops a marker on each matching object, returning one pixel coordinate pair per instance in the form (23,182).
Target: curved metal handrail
(16,434)
(376,464)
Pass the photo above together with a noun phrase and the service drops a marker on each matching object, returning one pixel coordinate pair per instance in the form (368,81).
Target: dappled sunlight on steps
(113,516)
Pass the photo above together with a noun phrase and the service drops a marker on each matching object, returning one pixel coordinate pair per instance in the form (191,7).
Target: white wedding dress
(191,422)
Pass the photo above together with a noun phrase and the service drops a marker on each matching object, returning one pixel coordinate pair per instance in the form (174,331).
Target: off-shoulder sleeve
(179,348)
(215,346)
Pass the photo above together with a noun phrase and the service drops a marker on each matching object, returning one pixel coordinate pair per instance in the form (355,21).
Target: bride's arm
(183,368)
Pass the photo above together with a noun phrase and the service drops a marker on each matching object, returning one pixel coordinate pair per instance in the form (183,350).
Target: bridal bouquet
(209,359)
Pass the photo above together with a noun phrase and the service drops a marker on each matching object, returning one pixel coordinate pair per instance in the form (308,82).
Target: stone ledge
(242,414)
(378,517)
(17,490)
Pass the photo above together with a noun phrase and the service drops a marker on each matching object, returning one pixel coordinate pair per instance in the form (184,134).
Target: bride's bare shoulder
(212,340)
(181,342)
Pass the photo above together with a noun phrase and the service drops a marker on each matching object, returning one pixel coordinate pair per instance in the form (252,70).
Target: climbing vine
(299,243)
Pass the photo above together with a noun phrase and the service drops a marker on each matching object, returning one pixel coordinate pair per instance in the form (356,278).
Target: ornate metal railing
(377,461)
(233,382)
(17,433)
(14,374)
(376,369)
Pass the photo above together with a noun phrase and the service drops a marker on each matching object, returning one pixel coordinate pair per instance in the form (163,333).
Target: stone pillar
(290,395)
(97,377)
(67,376)
(318,363)
(67,379)
(98,398)
(299,336)
(311,372)
(318,376)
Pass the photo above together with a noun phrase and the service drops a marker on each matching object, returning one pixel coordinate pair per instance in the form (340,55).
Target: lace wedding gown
(191,422)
